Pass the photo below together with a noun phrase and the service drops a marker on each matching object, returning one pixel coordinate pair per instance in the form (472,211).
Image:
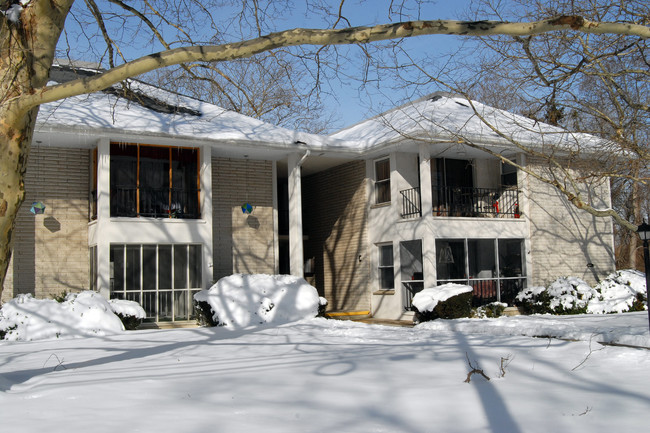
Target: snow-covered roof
(148,110)
(447,117)
(139,109)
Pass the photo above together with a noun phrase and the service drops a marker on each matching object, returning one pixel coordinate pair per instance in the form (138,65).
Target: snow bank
(240,301)
(427,299)
(83,314)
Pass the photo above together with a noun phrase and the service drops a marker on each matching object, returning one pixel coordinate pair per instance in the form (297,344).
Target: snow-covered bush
(240,301)
(80,314)
(620,292)
(566,295)
(129,312)
(491,310)
(448,301)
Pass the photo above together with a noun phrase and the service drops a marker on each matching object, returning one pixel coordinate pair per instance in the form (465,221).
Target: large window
(154,181)
(382,181)
(161,278)
(493,267)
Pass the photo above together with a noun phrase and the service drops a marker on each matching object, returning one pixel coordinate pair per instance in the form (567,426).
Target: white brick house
(144,194)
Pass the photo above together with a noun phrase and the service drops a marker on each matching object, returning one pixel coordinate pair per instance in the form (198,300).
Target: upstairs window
(154,181)
(382,181)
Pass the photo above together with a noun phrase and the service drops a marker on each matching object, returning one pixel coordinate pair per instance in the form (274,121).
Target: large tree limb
(353,35)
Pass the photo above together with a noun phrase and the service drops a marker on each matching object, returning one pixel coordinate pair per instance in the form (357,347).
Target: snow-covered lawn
(321,375)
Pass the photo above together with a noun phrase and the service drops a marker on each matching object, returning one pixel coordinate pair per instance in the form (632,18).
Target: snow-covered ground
(319,375)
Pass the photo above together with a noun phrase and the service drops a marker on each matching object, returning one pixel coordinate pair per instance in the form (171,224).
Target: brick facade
(243,243)
(565,239)
(50,251)
(335,222)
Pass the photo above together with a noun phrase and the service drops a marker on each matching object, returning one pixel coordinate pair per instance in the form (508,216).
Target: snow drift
(240,301)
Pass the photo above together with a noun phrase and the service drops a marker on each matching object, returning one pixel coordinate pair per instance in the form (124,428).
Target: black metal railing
(410,289)
(131,201)
(411,204)
(476,202)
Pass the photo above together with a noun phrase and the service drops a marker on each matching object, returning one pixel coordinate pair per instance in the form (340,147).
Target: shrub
(130,323)
(61,297)
(204,314)
(492,310)
(566,295)
(455,307)
(129,312)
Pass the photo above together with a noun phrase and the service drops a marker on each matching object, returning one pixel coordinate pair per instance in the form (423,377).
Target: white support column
(426,196)
(276,241)
(296,254)
(103,217)
(206,207)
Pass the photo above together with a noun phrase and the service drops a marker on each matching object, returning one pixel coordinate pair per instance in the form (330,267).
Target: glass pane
(382,181)
(165,305)
(181,310)
(382,170)
(180,266)
(133,267)
(450,259)
(117,268)
(185,202)
(154,181)
(164,267)
(481,256)
(123,179)
(149,267)
(133,296)
(192,306)
(195,266)
(386,255)
(386,278)
(510,258)
(410,257)
(382,190)
(93,268)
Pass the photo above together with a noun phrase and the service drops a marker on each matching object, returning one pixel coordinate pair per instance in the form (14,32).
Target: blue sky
(345,99)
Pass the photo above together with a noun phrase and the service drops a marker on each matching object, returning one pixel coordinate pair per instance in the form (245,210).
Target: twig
(475,370)
(505,362)
(588,354)
(60,364)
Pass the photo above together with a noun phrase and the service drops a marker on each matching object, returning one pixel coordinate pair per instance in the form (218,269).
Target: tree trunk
(27,49)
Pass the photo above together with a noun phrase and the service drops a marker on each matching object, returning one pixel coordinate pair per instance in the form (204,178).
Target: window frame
(472,258)
(192,273)
(382,186)
(169,190)
(381,267)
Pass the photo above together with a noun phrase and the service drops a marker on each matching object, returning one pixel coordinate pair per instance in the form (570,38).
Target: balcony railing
(476,202)
(464,202)
(411,205)
(130,201)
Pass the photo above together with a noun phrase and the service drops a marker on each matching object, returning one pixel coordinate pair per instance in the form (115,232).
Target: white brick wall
(50,251)
(564,239)
(242,242)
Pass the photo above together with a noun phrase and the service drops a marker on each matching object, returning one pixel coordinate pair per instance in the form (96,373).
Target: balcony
(464,202)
